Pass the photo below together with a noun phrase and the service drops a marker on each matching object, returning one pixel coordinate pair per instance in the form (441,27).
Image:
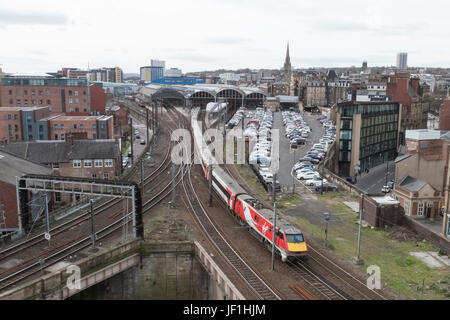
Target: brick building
(59,94)
(444,115)
(95,159)
(95,127)
(23,124)
(408,92)
(98,99)
(422,177)
(10,168)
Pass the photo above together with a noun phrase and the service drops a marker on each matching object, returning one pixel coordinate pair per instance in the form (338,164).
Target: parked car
(308,175)
(143,142)
(352,180)
(316,182)
(327,187)
(385,189)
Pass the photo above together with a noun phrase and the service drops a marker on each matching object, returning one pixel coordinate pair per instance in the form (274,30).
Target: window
(8,117)
(40,92)
(61,126)
(25,92)
(49,102)
(88,163)
(70,92)
(33,102)
(74,126)
(106,176)
(77,163)
(47,92)
(70,100)
(406,207)
(55,127)
(81,126)
(297,238)
(76,100)
(420,210)
(94,126)
(11,101)
(57,197)
(41,101)
(62,137)
(108,163)
(98,163)
(19,101)
(94,176)
(55,165)
(33,92)
(16,128)
(76,94)
(25,101)
(10,92)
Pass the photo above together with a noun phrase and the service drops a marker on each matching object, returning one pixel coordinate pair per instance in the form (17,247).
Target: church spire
(287,62)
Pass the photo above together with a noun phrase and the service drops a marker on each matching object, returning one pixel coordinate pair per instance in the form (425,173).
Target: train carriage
(289,241)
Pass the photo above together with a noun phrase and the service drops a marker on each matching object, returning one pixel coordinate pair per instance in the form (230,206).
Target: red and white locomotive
(290,241)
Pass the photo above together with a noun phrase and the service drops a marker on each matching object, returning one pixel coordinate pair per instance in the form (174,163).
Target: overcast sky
(40,36)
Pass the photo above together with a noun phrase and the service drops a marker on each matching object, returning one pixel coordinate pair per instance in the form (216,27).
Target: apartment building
(60,95)
(91,127)
(23,124)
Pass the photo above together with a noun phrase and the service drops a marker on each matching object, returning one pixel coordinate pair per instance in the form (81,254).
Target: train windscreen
(294,238)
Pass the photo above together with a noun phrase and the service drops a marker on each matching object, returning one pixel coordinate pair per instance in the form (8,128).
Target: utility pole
(92,224)
(321,189)
(142,175)
(47,220)
(358,261)
(146,122)
(327,218)
(174,190)
(131,140)
(210,184)
(274,219)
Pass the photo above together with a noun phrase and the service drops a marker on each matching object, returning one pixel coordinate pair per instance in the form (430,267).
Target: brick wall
(4,122)
(9,200)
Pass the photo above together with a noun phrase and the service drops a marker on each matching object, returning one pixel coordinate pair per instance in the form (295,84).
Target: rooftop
(412,184)
(12,167)
(21,108)
(423,134)
(61,152)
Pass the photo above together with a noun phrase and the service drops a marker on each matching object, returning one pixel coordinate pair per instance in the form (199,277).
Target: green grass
(252,180)
(125,146)
(399,270)
(288,202)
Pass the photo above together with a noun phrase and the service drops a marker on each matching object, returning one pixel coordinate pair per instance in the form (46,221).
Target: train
(290,241)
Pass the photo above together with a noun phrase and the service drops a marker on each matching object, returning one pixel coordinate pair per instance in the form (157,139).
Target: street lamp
(327,218)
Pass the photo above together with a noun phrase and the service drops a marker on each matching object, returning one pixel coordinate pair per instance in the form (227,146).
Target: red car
(320,118)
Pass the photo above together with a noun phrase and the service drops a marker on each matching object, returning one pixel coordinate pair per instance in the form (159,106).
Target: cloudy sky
(45,35)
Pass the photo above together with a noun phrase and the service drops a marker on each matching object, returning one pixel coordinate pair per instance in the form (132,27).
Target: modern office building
(106,75)
(366,135)
(402,61)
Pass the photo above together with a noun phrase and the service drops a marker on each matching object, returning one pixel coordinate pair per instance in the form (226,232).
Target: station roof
(188,90)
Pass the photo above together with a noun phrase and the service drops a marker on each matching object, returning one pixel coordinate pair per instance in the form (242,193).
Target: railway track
(61,251)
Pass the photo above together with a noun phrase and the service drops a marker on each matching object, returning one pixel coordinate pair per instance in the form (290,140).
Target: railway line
(61,249)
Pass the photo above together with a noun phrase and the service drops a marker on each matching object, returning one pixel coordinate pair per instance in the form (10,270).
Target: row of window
(386,118)
(386,136)
(33,92)
(10,117)
(379,129)
(33,102)
(420,208)
(75,126)
(107,163)
(377,148)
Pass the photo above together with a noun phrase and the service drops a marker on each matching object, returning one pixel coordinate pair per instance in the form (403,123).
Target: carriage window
(256,218)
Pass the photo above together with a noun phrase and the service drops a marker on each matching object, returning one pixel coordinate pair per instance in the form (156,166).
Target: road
(373,182)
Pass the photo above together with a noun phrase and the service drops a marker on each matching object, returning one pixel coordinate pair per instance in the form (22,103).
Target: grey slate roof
(12,167)
(412,184)
(60,151)
(402,157)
